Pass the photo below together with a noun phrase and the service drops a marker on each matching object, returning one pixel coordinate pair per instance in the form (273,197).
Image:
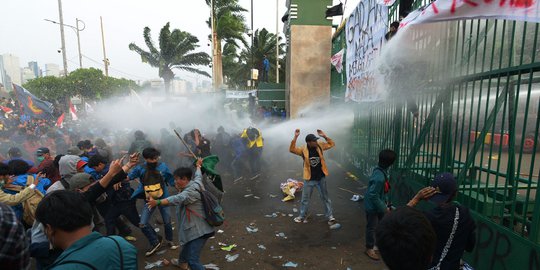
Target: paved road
(311,246)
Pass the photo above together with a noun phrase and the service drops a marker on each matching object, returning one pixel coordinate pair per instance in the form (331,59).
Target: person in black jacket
(453,223)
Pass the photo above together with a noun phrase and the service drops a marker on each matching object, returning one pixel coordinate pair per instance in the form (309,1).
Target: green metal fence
(470,108)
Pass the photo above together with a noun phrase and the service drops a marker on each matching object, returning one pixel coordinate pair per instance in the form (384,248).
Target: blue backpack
(213,211)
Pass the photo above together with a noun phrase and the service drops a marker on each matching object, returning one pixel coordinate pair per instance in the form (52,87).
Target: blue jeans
(145,218)
(307,190)
(191,253)
(372,219)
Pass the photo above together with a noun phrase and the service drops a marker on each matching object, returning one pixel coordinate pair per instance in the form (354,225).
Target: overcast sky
(24,33)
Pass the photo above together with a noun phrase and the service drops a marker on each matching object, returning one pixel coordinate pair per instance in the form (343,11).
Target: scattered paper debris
(295,210)
(231,258)
(229,247)
(273,215)
(333,248)
(256,197)
(158,263)
(290,264)
(248,195)
(252,229)
(211,266)
(290,215)
(272,195)
(220,231)
(261,247)
(277,257)
(282,235)
(156,230)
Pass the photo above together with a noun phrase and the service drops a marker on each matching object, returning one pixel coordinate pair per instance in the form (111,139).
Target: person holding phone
(315,172)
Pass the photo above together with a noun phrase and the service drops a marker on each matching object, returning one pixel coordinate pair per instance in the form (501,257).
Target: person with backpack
(154,177)
(67,222)
(375,202)
(24,194)
(315,171)
(140,143)
(194,229)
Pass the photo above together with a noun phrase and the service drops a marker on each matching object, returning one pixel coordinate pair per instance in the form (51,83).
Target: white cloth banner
(446,10)
(240,94)
(365,31)
(337,60)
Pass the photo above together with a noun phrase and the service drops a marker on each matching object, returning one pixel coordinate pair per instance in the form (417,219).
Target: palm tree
(175,52)
(264,43)
(229,27)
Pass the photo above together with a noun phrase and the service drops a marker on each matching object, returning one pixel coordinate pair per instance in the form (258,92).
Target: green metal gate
(477,99)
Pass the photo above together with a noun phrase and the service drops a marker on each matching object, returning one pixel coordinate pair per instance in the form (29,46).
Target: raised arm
(329,142)
(292,148)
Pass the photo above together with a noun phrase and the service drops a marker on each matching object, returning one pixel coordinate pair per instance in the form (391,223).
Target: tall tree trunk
(167,82)
(219,65)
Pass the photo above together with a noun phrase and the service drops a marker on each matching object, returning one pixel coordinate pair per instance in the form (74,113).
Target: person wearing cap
(91,190)
(453,223)
(375,200)
(315,171)
(14,153)
(46,164)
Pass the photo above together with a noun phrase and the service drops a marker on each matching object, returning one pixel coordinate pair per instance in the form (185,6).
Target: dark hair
(18,167)
(183,172)
(87,144)
(406,239)
(150,152)
(387,157)
(395,24)
(56,161)
(94,161)
(4,169)
(80,145)
(65,210)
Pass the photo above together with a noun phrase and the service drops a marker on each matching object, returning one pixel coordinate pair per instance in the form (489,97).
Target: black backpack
(152,182)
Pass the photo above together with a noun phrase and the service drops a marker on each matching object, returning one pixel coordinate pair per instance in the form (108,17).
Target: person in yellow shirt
(254,145)
(23,195)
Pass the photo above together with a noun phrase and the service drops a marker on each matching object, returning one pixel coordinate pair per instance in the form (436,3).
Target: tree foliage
(89,83)
(175,52)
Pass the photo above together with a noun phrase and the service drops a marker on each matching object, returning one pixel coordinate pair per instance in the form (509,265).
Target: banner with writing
(365,34)
(446,10)
(240,94)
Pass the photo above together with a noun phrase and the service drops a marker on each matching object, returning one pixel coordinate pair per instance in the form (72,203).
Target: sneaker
(300,219)
(154,248)
(372,254)
(172,246)
(331,221)
(130,238)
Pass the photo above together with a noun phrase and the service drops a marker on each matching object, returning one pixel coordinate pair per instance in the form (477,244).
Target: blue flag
(33,106)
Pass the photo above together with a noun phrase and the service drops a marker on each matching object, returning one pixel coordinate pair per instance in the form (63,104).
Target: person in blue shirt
(266,69)
(96,166)
(154,176)
(67,223)
(375,199)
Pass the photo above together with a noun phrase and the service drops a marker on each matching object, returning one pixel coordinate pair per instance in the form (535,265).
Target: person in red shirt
(46,164)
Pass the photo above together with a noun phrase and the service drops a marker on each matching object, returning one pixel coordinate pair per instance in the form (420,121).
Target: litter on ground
(229,247)
(290,264)
(231,258)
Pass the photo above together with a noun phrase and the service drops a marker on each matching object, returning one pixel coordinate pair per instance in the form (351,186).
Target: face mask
(151,165)
(40,159)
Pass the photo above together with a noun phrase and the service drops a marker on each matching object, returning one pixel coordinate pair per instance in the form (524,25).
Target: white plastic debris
(261,247)
(295,210)
(248,195)
(231,258)
(156,230)
(335,226)
(154,264)
(290,264)
(211,266)
(282,235)
(220,231)
(273,215)
(252,229)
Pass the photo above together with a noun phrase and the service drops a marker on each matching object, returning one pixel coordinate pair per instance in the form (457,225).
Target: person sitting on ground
(453,223)
(14,241)
(375,202)
(67,221)
(194,230)
(406,239)
(23,195)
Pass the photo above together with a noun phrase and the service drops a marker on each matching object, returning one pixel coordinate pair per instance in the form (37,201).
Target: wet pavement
(262,228)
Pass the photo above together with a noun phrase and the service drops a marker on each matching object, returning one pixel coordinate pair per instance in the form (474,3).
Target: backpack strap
(119,251)
(448,242)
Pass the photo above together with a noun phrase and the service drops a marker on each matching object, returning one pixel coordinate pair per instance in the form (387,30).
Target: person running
(315,171)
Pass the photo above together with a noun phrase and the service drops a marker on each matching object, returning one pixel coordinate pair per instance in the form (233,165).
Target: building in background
(12,68)
(3,76)
(27,74)
(35,68)
(179,86)
(52,70)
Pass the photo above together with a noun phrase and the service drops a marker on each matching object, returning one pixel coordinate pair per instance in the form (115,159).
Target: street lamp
(77,30)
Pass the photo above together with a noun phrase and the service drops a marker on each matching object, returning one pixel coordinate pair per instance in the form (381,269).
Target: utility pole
(64,58)
(105,59)
(277,41)
(252,34)
(79,40)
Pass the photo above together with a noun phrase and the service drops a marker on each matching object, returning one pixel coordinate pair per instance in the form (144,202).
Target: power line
(115,69)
